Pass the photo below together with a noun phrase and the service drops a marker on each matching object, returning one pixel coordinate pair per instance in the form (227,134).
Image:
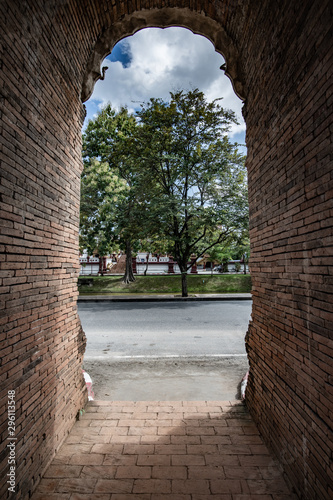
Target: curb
(164,298)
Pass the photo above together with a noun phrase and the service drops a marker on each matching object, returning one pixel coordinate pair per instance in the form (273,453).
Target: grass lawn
(222,283)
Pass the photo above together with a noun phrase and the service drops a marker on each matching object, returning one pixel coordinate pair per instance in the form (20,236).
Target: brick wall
(42,344)
(289,135)
(280,56)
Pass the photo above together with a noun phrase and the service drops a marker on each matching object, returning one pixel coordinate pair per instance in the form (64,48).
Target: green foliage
(102,134)
(102,194)
(194,176)
(169,179)
(105,188)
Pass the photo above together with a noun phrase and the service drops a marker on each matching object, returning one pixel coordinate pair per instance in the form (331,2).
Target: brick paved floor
(163,451)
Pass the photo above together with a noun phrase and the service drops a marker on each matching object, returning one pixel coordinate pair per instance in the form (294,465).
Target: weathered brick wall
(289,135)
(280,57)
(42,345)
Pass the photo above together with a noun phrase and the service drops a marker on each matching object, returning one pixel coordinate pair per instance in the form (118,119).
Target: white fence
(90,266)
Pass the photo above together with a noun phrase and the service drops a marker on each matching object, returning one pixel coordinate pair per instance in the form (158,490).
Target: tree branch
(220,238)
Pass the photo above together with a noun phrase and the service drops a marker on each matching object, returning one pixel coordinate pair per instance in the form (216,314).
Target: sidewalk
(152,297)
(150,450)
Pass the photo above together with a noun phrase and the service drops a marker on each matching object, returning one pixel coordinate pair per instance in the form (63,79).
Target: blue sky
(154,62)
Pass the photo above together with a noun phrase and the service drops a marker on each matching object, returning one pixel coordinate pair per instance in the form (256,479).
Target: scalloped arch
(166,17)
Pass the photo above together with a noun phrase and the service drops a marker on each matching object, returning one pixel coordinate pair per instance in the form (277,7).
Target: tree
(241,249)
(108,201)
(174,177)
(217,253)
(101,192)
(193,176)
(126,217)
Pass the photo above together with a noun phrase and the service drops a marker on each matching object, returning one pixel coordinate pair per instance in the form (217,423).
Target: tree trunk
(147,264)
(184,284)
(100,265)
(128,276)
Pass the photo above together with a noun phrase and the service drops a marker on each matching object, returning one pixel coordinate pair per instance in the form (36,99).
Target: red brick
(280,60)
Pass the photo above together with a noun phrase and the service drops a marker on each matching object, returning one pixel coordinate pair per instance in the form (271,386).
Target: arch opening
(155,61)
(220,87)
(165,18)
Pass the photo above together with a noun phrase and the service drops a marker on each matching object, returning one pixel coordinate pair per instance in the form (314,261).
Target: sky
(155,62)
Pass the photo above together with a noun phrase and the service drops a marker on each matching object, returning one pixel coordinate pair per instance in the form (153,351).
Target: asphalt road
(164,329)
(165,351)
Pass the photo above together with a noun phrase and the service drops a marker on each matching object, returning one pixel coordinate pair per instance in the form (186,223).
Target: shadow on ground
(164,450)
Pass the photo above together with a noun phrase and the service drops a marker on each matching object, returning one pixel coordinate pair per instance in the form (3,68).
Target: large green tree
(174,177)
(193,175)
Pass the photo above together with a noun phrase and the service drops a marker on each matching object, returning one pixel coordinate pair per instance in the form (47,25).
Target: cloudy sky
(154,62)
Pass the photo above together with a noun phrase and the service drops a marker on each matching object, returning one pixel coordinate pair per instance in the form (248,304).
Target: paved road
(165,351)
(165,329)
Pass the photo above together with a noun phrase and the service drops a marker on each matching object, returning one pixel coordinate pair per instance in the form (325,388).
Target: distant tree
(153,245)
(241,249)
(218,253)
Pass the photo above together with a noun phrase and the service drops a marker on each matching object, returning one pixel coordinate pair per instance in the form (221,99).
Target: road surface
(165,350)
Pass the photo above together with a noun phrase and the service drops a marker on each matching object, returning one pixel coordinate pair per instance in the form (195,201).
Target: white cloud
(163,61)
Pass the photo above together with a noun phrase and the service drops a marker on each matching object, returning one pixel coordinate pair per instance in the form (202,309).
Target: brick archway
(278,56)
(165,17)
